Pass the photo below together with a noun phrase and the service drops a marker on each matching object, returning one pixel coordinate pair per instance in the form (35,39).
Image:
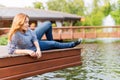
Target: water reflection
(100,62)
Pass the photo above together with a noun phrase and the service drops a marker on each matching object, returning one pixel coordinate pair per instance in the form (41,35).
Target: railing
(75,32)
(4,30)
(86,32)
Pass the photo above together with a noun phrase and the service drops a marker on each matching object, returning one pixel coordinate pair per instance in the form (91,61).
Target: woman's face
(25,25)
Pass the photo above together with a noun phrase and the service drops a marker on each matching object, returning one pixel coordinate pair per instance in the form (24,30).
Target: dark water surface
(100,62)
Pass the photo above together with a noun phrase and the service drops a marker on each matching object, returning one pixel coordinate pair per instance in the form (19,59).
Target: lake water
(100,62)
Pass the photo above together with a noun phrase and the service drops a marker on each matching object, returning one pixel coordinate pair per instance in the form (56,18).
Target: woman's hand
(31,53)
(38,53)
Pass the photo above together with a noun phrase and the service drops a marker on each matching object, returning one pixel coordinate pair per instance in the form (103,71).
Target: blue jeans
(46,28)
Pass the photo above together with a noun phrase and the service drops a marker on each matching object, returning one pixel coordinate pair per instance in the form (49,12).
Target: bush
(3,40)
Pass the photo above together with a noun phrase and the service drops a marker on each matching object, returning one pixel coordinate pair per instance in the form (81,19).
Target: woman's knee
(47,23)
(44,26)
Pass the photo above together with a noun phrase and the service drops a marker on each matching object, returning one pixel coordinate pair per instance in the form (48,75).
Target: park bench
(22,66)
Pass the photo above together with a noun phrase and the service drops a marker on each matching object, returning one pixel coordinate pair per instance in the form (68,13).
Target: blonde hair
(17,23)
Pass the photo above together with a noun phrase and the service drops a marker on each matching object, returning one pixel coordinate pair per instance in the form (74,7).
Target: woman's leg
(47,45)
(44,28)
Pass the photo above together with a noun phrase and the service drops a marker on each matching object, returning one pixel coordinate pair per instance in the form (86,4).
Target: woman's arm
(23,51)
(13,48)
(38,51)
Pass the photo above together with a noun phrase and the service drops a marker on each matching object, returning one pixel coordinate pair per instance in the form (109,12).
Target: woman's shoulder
(16,34)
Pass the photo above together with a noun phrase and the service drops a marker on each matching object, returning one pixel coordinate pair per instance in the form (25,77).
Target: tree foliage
(106,9)
(99,10)
(38,5)
(69,6)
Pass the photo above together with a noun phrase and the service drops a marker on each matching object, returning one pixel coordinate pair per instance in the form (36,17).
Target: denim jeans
(46,28)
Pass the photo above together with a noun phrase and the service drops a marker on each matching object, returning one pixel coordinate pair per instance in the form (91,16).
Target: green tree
(76,7)
(116,13)
(69,6)
(118,5)
(100,9)
(95,17)
(57,5)
(95,6)
(116,16)
(107,8)
(38,5)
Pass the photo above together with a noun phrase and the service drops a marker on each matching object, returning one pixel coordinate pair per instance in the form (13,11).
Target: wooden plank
(20,76)
(27,59)
(24,66)
(33,68)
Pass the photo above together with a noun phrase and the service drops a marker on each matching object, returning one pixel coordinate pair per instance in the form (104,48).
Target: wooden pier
(18,67)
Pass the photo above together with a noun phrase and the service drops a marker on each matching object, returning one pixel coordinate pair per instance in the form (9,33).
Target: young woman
(22,40)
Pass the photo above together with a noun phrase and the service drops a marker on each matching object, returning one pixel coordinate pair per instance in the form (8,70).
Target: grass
(3,40)
(86,41)
(92,41)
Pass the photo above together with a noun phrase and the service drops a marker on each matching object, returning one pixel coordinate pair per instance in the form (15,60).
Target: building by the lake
(37,16)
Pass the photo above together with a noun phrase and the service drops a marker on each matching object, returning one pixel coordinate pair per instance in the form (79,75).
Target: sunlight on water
(100,62)
(108,40)
(104,63)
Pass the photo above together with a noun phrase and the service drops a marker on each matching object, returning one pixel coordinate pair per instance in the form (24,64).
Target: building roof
(36,14)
